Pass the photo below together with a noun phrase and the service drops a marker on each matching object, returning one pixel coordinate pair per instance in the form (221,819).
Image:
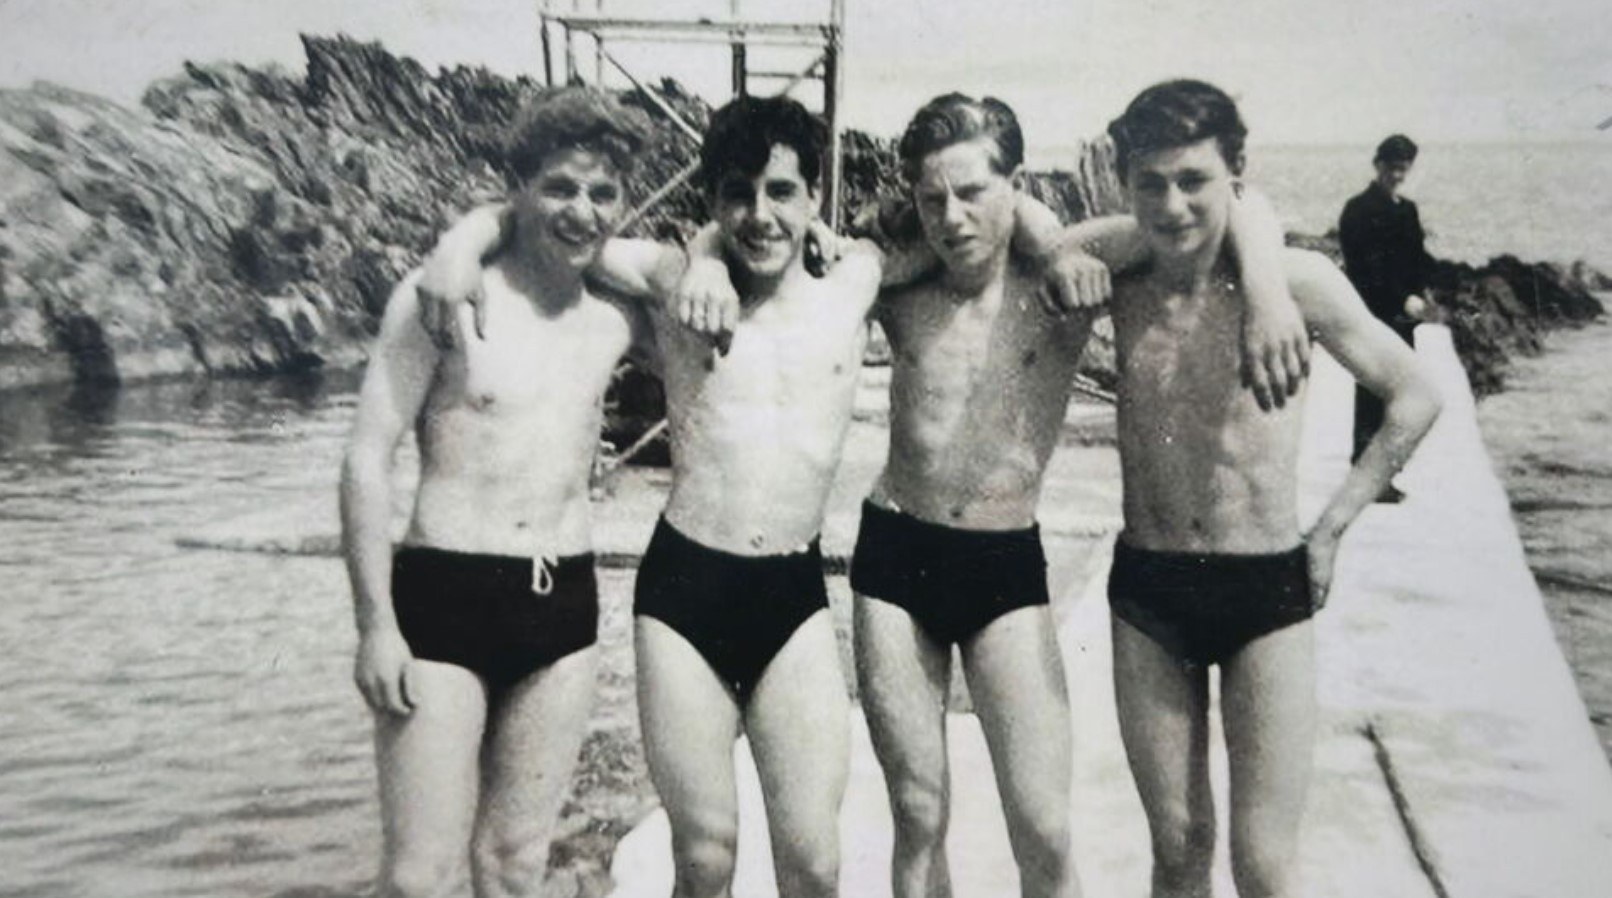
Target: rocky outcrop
(1499,309)
(246,221)
(241,220)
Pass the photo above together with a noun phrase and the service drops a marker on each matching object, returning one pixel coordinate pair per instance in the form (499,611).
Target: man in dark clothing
(1383,253)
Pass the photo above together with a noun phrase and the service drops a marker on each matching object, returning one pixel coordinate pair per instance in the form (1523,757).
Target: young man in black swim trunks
(731,624)
(948,552)
(476,637)
(1212,567)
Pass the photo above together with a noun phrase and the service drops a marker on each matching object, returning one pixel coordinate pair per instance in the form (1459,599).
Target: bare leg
(1164,722)
(535,733)
(903,676)
(427,763)
(1015,674)
(1267,703)
(690,721)
(798,721)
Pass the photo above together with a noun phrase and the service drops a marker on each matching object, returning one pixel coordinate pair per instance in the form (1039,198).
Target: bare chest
(1003,345)
(534,360)
(787,352)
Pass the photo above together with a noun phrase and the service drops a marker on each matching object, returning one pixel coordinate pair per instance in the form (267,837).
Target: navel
(956,512)
(1029,358)
(757,541)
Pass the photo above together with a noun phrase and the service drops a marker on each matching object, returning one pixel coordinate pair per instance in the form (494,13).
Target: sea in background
(181,722)
(1546,202)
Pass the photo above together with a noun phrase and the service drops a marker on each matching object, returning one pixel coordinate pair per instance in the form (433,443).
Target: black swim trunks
(1204,608)
(738,611)
(481,612)
(953,582)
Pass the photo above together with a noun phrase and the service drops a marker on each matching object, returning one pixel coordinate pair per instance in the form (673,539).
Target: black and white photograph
(805,448)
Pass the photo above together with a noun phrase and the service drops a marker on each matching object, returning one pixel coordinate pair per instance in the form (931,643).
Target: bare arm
(451,274)
(1276,346)
(1383,364)
(402,363)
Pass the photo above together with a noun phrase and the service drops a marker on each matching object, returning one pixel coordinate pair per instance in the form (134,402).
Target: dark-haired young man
(1212,566)
(731,626)
(948,552)
(476,636)
(1384,254)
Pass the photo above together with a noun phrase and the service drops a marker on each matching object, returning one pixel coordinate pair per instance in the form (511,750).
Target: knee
(921,809)
(704,855)
(808,867)
(508,865)
(1261,870)
(1183,847)
(420,876)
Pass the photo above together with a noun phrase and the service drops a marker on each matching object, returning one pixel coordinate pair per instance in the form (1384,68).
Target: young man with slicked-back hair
(1212,567)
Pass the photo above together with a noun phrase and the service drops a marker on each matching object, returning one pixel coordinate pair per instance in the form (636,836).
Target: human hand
(822,250)
(1074,280)
(447,281)
(706,302)
(1321,550)
(1416,307)
(1276,352)
(381,671)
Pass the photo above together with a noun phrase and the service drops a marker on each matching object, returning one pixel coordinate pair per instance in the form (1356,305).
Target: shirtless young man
(476,636)
(1212,567)
(731,625)
(949,552)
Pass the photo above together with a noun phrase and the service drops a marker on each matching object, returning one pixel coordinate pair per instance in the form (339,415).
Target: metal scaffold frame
(739,34)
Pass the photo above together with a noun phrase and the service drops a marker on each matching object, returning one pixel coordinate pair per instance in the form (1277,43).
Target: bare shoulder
(1318,286)
(402,312)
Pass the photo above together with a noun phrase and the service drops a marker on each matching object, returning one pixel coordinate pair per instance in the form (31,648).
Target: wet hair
(957,118)
(581,118)
(1396,148)
(742,133)
(1177,113)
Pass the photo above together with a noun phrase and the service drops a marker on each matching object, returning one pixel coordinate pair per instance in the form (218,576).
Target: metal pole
(570,57)
(548,61)
(736,45)
(678,120)
(833,87)
(598,48)
(678,180)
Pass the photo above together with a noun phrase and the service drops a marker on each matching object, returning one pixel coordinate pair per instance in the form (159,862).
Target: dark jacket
(1383,252)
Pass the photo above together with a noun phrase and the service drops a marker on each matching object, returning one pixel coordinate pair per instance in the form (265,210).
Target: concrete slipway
(1455,756)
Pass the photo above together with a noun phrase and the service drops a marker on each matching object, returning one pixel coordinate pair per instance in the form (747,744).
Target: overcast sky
(1305,71)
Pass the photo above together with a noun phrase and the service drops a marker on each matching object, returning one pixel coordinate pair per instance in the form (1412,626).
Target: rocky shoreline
(246,221)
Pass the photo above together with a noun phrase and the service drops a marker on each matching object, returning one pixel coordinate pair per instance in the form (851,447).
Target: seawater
(1546,202)
(176,722)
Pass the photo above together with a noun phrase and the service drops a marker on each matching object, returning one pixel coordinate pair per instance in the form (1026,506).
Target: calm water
(176,722)
(1541,202)
(1548,434)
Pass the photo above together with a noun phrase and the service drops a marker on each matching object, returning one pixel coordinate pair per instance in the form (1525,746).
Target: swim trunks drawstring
(543,566)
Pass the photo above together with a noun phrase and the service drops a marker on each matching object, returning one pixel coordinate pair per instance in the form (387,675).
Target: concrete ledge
(1455,756)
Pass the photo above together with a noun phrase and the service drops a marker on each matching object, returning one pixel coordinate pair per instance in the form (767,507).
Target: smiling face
(763,218)
(1181,196)
(569,207)
(965,204)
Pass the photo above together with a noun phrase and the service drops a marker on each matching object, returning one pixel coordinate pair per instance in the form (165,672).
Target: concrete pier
(1455,757)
